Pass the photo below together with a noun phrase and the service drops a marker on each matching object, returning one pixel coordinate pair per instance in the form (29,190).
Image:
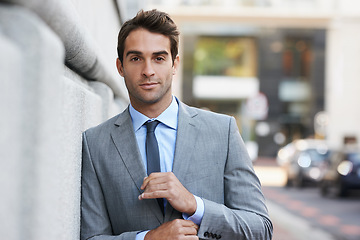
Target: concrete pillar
(30,109)
(81,108)
(10,163)
(82,55)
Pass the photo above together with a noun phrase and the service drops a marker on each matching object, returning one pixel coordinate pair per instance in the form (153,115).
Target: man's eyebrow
(133,52)
(161,53)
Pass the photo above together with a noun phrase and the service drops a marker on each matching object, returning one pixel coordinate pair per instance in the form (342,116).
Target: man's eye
(160,59)
(134,59)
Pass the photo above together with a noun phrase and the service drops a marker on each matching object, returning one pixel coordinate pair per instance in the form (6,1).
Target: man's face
(147,68)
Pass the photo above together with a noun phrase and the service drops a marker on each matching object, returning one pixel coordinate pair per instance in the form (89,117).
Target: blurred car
(302,161)
(342,173)
(285,154)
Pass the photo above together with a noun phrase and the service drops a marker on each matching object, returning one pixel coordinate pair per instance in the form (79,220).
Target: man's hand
(177,229)
(166,185)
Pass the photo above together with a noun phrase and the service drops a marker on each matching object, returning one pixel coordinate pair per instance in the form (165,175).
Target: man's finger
(189,227)
(154,194)
(189,223)
(155,178)
(189,231)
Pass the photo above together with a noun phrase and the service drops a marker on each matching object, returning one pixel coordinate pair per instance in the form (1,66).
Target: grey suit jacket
(210,161)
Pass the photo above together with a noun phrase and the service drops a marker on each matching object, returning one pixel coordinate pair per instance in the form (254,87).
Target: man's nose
(148,69)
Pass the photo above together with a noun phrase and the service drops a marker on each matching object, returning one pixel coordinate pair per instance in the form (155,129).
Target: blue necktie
(152,148)
(152,154)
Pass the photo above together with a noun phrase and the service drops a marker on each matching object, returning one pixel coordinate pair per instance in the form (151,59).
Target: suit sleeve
(244,214)
(95,223)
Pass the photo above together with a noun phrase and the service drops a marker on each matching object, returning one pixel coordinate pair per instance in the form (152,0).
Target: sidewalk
(280,232)
(287,226)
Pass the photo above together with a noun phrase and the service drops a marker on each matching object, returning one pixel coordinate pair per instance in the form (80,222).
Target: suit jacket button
(206,234)
(218,237)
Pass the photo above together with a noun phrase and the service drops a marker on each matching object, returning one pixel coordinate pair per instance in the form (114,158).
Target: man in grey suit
(206,182)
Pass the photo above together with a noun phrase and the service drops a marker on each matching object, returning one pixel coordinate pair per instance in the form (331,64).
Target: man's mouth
(148,85)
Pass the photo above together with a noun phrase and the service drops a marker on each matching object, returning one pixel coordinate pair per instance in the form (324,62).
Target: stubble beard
(148,98)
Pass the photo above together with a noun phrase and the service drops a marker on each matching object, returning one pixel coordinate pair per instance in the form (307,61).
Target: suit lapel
(187,133)
(185,140)
(126,144)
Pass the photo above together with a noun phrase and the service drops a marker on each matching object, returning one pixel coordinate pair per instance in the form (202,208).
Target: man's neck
(152,110)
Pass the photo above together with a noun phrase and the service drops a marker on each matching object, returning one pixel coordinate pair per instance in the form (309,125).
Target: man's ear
(119,67)
(176,64)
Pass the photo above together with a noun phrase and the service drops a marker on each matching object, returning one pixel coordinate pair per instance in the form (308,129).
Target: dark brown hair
(154,21)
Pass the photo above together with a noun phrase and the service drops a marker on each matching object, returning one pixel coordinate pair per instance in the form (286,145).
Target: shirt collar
(169,117)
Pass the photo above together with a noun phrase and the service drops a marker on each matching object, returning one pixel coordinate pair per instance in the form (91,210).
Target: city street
(300,214)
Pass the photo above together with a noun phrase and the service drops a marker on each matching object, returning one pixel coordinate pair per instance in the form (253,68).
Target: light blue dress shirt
(165,133)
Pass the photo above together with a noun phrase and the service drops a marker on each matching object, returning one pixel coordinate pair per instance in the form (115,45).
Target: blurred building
(297,54)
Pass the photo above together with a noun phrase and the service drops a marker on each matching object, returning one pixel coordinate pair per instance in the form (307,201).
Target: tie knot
(151,125)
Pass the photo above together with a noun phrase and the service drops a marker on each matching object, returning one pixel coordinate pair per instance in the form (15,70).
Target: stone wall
(58,78)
